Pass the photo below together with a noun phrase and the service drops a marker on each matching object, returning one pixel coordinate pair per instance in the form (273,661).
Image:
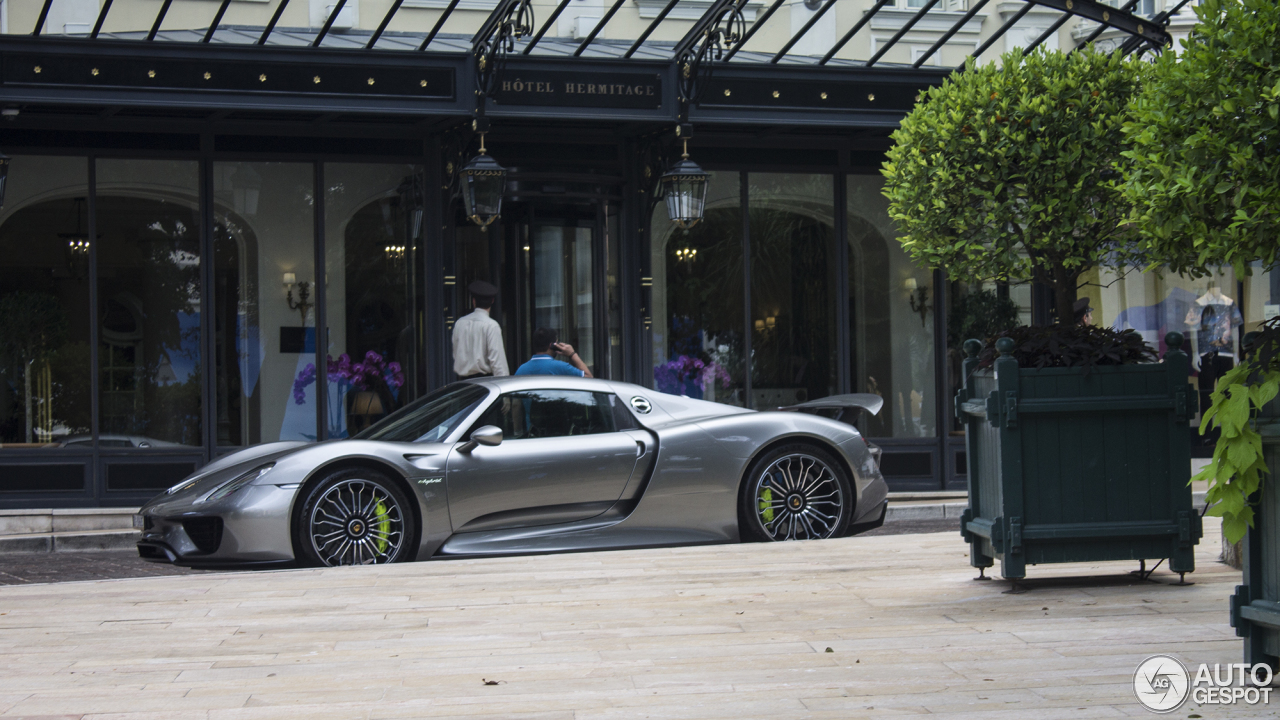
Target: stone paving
(859,627)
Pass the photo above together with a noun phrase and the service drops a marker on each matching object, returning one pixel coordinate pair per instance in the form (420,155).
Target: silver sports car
(531,464)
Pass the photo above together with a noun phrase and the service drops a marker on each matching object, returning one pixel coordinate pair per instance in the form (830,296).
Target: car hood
(225,468)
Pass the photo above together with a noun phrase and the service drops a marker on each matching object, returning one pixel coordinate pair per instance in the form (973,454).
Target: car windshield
(428,419)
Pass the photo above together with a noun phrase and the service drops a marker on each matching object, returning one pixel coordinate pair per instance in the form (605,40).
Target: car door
(563,457)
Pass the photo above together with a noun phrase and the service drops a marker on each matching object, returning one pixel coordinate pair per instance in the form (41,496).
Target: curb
(87,541)
(953,510)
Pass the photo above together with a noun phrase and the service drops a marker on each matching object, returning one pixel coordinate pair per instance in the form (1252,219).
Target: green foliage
(1204,170)
(1071,345)
(979,314)
(1006,172)
(1235,472)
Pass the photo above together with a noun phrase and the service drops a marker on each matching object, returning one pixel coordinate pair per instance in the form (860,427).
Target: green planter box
(1255,607)
(1066,466)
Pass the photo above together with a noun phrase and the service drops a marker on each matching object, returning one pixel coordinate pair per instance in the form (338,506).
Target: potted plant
(1077,449)
(1204,177)
(1013,172)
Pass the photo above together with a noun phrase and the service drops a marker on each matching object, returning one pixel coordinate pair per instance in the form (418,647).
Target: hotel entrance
(555,263)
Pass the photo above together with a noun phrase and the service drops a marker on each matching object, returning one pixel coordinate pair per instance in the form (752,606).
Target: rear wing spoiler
(840,407)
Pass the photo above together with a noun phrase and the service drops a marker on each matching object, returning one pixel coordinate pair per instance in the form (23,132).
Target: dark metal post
(95,378)
(321,312)
(942,379)
(744,193)
(844,374)
(208,304)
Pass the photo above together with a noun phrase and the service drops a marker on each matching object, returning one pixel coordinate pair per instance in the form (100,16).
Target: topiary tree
(1007,171)
(1204,178)
(1204,170)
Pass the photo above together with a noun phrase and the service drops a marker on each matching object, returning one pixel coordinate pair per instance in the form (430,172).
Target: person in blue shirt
(543,361)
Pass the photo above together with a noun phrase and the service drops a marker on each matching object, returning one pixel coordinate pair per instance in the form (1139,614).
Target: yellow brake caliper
(384,525)
(766,505)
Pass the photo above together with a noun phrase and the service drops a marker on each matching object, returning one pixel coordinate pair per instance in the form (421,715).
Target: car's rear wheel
(354,517)
(795,492)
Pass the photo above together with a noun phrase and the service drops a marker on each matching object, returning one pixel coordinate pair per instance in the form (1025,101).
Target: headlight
(229,487)
(185,484)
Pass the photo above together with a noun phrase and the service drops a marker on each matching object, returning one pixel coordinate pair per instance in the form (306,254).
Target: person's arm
(495,353)
(574,359)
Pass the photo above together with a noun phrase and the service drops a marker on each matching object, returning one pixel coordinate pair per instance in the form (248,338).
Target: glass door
(558,272)
(553,266)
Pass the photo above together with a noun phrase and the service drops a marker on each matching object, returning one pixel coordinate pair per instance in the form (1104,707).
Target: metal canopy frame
(1146,34)
(716,44)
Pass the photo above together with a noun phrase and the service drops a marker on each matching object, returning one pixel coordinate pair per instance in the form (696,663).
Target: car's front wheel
(795,492)
(354,517)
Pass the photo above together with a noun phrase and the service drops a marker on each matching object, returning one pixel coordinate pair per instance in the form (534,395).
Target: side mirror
(489,436)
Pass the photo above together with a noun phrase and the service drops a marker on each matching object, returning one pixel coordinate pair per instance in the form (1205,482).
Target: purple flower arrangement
(361,375)
(672,377)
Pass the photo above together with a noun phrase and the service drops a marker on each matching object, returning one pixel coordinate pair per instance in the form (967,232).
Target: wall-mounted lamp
(304,295)
(918,296)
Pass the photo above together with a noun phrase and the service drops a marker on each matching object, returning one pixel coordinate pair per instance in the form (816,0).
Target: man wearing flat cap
(477,338)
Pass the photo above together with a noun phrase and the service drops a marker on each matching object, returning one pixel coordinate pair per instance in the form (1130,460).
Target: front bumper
(250,527)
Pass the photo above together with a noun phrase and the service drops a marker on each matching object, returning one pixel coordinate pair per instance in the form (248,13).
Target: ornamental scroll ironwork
(723,33)
(509,22)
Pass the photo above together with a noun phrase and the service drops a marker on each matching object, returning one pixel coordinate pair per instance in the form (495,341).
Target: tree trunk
(1064,298)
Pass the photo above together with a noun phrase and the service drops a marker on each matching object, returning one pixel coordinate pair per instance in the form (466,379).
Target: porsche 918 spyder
(530,464)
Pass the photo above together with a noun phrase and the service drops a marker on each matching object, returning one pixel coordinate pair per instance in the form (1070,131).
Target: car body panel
(674,480)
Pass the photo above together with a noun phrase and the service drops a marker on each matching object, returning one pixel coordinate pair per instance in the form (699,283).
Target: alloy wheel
(798,497)
(357,522)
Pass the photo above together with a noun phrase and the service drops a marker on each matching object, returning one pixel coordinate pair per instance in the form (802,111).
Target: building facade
(202,195)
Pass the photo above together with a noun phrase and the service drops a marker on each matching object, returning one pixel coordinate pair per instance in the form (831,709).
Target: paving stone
(737,631)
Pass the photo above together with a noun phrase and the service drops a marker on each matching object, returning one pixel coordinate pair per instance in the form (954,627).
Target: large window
(697,300)
(264,280)
(149,365)
(44,305)
(891,306)
(373,259)
(793,280)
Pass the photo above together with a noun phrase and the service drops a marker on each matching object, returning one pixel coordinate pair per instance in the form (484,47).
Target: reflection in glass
(697,300)
(1204,310)
(263,229)
(373,236)
(44,305)
(149,302)
(793,341)
(562,294)
(891,306)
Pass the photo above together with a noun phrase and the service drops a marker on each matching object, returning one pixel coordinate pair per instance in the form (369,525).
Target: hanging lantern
(483,182)
(685,188)
(4,175)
